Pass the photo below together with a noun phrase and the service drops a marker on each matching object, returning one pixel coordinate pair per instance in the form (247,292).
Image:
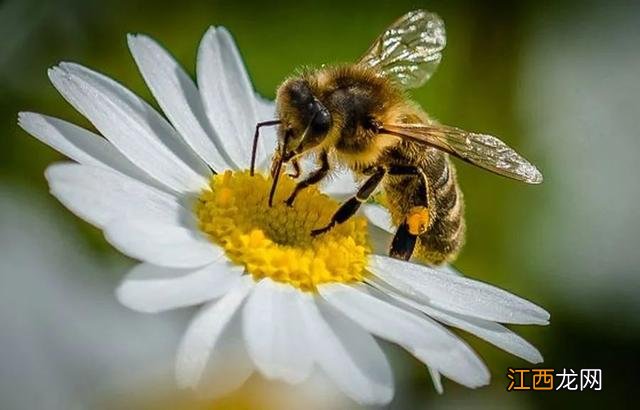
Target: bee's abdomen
(444,238)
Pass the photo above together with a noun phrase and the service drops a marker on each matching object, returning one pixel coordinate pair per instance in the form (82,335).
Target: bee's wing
(410,50)
(482,150)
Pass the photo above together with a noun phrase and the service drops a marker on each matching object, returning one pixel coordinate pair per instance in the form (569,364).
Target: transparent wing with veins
(482,150)
(409,51)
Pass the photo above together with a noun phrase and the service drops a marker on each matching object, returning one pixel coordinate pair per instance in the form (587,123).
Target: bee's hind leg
(351,206)
(403,243)
(414,225)
(417,220)
(313,178)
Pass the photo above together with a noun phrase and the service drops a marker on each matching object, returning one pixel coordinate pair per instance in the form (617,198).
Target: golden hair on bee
(359,116)
(334,107)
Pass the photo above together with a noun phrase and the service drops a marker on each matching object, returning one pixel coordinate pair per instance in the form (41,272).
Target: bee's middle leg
(313,178)
(351,206)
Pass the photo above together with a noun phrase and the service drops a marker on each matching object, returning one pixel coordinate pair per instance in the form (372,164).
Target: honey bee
(359,116)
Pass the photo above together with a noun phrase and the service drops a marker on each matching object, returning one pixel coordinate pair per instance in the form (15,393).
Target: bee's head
(305,121)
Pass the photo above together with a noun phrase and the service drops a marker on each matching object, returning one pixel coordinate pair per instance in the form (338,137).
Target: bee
(359,116)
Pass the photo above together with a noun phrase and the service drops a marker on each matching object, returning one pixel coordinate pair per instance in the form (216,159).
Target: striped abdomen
(445,236)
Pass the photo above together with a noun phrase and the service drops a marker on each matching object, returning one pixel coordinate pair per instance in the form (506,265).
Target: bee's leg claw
(292,197)
(294,174)
(320,231)
(289,202)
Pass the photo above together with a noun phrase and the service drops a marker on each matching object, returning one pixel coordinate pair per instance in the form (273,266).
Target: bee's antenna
(255,141)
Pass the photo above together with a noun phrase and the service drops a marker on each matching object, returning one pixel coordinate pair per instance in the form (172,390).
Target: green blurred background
(559,81)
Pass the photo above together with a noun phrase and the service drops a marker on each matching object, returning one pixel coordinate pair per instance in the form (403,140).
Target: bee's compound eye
(321,121)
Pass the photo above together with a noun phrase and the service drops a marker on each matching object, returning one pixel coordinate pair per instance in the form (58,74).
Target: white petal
(229,365)
(490,331)
(227,95)
(342,185)
(178,97)
(100,195)
(201,338)
(437,380)
(348,355)
(380,217)
(457,294)
(162,244)
(80,145)
(132,126)
(379,239)
(150,288)
(240,86)
(428,341)
(448,269)
(266,108)
(273,325)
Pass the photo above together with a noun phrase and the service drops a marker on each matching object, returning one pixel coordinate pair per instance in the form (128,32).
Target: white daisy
(272,298)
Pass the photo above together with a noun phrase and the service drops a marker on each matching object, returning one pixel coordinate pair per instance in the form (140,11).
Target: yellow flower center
(276,242)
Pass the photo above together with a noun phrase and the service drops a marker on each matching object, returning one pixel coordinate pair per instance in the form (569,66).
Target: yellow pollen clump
(276,242)
(418,220)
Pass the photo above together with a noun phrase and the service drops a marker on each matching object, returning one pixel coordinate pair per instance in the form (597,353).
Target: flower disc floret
(276,242)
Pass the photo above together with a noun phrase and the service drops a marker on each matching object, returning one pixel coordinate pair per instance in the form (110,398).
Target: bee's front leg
(313,178)
(351,206)
(296,168)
